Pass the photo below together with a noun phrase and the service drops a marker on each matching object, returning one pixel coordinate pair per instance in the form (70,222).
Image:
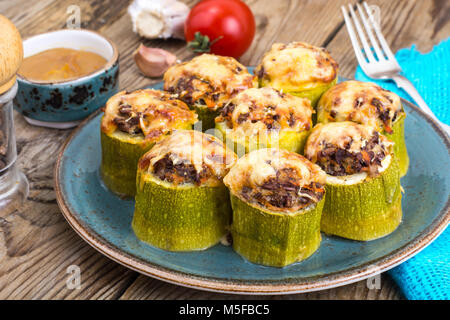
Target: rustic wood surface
(37,245)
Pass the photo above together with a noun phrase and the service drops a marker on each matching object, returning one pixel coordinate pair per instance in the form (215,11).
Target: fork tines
(375,43)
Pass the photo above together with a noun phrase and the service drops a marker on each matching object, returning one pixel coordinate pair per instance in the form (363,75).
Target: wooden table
(37,245)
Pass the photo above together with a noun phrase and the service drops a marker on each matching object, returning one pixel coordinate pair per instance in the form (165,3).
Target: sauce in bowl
(60,64)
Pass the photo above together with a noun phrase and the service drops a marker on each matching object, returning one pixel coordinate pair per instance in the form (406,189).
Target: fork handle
(405,84)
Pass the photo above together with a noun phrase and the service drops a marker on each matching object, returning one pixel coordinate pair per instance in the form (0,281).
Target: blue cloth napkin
(426,276)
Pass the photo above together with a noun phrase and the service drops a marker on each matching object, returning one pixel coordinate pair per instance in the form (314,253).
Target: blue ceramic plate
(104,221)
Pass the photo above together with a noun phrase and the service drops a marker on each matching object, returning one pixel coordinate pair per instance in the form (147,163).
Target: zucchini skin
(183,218)
(288,140)
(275,239)
(120,159)
(364,211)
(315,93)
(119,163)
(398,137)
(206,116)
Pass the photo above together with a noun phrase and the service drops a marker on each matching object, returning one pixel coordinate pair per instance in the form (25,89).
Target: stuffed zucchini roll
(181,201)
(299,69)
(132,123)
(369,104)
(206,83)
(363,180)
(277,198)
(263,118)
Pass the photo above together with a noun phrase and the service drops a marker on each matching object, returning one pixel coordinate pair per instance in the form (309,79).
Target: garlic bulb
(158,18)
(153,62)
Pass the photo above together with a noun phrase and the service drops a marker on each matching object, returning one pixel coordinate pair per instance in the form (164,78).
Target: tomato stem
(202,43)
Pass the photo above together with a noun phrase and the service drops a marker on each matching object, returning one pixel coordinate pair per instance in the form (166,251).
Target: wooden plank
(37,245)
(47,15)
(147,288)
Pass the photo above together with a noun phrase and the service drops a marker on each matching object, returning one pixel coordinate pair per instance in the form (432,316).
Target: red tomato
(228,24)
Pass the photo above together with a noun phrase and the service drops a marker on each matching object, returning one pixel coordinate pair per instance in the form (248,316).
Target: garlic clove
(158,18)
(153,62)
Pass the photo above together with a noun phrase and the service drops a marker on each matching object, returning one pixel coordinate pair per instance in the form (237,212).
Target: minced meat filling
(207,80)
(147,113)
(226,112)
(384,114)
(259,110)
(283,192)
(154,120)
(269,119)
(127,120)
(178,173)
(340,162)
(361,102)
(193,91)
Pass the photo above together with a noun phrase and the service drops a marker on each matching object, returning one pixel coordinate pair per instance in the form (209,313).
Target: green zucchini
(367,103)
(120,156)
(277,199)
(363,189)
(298,68)
(314,93)
(206,83)
(206,117)
(259,118)
(132,123)
(273,238)
(366,210)
(398,137)
(181,201)
(288,140)
(180,218)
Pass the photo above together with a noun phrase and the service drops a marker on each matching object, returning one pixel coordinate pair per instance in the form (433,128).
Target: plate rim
(256,287)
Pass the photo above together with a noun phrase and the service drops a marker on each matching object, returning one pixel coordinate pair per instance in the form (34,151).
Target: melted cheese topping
(257,111)
(361,102)
(338,134)
(348,136)
(296,66)
(152,111)
(256,167)
(194,148)
(207,80)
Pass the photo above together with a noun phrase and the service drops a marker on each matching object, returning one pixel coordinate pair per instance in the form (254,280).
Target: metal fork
(383,64)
